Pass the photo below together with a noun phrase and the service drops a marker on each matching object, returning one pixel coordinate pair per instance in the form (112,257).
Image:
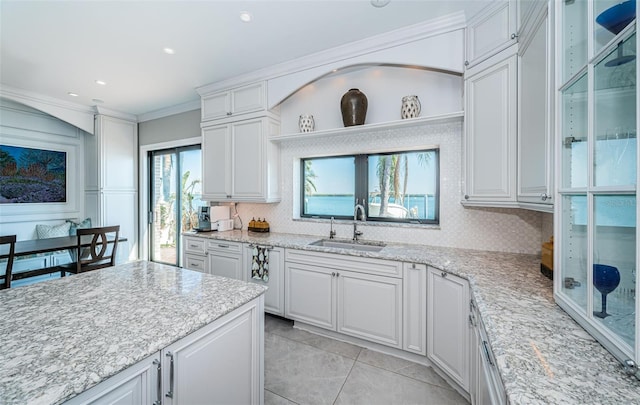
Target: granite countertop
(61,337)
(543,356)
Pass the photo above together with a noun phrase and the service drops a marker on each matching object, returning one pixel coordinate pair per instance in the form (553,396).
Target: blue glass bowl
(615,18)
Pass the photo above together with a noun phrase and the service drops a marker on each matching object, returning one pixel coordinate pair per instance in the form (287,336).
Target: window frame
(361,187)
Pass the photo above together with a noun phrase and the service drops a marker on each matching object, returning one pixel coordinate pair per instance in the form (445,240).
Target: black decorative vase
(354,107)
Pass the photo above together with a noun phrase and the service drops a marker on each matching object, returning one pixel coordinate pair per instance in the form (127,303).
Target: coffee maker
(204,219)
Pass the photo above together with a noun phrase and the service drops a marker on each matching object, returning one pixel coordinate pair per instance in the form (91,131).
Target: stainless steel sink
(337,244)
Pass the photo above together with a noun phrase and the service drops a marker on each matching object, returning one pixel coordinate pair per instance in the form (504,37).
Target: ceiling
(54,48)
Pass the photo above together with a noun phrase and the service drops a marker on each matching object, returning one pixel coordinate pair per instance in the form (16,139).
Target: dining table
(38,246)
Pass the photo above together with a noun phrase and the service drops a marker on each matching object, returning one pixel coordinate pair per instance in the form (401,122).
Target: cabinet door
(310,295)
(447,324)
(248,160)
(490,133)
(216,163)
(491,31)
(118,154)
(135,385)
(221,363)
(225,265)
(535,160)
(216,106)
(370,307)
(249,98)
(274,296)
(414,308)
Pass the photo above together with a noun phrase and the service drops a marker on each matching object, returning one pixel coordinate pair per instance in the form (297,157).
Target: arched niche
(442,52)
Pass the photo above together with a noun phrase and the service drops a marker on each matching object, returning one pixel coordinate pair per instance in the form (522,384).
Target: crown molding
(401,36)
(173,110)
(116,114)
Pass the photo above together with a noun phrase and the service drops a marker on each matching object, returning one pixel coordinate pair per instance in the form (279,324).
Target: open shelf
(328,133)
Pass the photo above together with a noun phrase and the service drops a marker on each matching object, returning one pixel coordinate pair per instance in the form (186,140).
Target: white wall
(24,126)
(510,230)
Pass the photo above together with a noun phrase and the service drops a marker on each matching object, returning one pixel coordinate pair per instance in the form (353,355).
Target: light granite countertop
(61,337)
(543,356)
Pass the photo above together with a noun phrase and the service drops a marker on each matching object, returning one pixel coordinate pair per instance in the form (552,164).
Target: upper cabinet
(596,215)
(491,31)
(490,131)
(240,163)
(508,152)
(233,102)
(535,102)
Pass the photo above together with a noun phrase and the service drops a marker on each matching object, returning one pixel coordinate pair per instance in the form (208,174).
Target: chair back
(101,252)
(5,279)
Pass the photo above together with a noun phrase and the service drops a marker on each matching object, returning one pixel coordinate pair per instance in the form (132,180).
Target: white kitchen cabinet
(274,296)
(221,363)
(370,307)
(240,163)
(224,259)
(233,102)
(111,178)
(447,324)
(330,296)
(194,254)
(310,294)
(535,145)
(414,308)
(491,31)
(486,384)
(490,131)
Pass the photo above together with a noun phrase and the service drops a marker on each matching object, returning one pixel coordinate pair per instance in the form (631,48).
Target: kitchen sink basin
(337,244)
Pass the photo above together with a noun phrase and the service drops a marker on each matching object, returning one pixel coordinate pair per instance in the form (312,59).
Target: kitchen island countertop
(543,356)
(62,337)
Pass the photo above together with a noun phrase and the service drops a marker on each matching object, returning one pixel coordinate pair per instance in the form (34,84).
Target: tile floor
(304,368)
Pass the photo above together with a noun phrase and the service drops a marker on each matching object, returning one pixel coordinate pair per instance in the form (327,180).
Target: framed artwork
(32,176)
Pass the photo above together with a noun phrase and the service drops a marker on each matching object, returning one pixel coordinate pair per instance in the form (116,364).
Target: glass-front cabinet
(596,217)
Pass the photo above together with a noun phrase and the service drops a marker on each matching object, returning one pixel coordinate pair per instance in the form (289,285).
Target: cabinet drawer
(345,262)
(194,245)
(223,246)
(197,263)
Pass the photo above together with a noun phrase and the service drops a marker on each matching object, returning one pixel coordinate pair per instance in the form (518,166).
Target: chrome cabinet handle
(545,197)
(466,63)
(486,352)
(169,393)
(443,274)
(413,265)
(333,274)
(466,196)
(193,246)
(223,246)
(514,36)
(158,365)
(229,113)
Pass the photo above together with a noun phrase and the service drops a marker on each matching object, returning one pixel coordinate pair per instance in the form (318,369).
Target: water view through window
(393,187)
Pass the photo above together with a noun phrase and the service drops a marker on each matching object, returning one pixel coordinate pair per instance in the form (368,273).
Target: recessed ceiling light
(379,3)
(245,16)
(72,94)
(169,51)
(101,82)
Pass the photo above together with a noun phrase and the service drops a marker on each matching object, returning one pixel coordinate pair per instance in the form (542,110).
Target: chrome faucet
(356,232)
(355,212)
(332,233)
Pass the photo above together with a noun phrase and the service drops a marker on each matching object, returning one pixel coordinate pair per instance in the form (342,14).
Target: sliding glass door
(175,191)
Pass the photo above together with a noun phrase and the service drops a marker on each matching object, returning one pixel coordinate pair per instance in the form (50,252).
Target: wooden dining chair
(99,254)
(5,279)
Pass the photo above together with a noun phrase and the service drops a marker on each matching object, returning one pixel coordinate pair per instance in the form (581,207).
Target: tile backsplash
(495,229)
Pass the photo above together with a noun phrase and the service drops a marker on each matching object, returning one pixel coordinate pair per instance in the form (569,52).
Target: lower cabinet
(225,258)
(221,363)
(486,385)
(356,304)
(447,324)
(274,297)
(414,308)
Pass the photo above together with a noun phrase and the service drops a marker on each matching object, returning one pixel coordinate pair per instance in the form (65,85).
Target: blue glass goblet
(605,279)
